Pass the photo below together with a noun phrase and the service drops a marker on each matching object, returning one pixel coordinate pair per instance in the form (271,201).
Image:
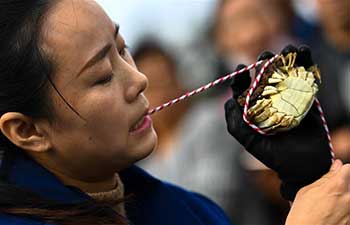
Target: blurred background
(182,44)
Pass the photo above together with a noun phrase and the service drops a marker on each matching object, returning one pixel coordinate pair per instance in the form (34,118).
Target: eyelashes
(104,80)
(123,51)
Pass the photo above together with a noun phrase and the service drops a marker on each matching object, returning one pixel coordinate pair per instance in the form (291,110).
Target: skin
(325,201)
(86,152)
(335,21)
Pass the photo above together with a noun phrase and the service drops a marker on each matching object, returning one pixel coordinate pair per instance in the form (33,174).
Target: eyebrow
(101,53)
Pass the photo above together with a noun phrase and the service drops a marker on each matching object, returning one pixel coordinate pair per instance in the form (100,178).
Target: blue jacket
(155,202)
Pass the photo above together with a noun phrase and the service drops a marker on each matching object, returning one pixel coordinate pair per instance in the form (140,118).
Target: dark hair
(25,79)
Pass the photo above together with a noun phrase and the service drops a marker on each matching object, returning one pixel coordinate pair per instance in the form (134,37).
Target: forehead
(74,28)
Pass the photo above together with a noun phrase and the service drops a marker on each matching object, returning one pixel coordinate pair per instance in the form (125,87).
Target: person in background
(244,28)
(216,54)
(191,135)
(241,30)
(332,52)
(324,25)
(161,69)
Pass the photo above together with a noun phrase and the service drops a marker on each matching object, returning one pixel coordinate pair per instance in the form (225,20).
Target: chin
(147,146)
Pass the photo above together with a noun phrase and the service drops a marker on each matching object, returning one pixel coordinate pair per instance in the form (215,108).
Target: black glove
(299,156)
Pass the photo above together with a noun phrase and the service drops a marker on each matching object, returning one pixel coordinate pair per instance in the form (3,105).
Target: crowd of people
(194,131)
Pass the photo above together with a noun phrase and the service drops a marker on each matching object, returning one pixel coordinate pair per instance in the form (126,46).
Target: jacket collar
(19,169)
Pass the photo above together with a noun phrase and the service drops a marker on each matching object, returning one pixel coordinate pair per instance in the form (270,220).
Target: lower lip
(146,124)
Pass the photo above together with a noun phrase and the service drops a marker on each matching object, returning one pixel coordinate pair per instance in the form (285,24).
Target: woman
(73,121)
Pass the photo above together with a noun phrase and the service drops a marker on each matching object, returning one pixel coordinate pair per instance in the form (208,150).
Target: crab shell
(284,95)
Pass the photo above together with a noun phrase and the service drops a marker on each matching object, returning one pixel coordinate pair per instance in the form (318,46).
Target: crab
(284,96)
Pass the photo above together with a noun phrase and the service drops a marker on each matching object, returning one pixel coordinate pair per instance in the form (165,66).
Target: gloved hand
(299,156)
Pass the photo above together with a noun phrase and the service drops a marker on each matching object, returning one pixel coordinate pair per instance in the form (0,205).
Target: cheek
(101,131)
(107,118)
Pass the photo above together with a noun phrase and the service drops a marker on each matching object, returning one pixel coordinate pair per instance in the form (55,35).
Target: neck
(105,185)
(86,185)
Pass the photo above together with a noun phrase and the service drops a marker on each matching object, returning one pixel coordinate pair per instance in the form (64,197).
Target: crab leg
(313,69)
(272,120)
(269,90)
(302,73)
(259,106)
(265,115)
(310,78)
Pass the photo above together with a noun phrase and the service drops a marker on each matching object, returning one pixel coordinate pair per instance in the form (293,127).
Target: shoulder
(196,201)
(158,202)
(6,219)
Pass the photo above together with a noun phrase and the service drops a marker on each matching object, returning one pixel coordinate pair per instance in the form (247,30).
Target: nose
(137,84)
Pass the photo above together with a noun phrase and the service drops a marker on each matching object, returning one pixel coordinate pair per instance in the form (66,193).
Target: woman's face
(97,76)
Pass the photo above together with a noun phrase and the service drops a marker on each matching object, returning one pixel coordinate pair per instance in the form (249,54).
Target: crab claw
(272,120)
(314,69)
(269,90)
(259,106)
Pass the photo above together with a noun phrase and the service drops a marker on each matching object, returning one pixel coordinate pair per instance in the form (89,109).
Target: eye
(123,52)
(104,80)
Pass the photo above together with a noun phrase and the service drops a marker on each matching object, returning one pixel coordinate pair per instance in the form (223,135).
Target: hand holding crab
(283,98)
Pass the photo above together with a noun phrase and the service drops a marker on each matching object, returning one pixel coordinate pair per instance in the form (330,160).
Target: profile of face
(96,75)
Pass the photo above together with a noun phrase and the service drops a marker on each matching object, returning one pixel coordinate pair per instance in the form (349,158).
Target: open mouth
(138,124)
(142,124)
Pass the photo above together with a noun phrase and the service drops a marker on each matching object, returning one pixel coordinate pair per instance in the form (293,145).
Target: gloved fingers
(265,55)
(304,57)
(288,49)
(234,119)
(238,128)
(241,82)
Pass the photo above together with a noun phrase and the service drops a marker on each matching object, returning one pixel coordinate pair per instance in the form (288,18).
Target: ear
(22,131)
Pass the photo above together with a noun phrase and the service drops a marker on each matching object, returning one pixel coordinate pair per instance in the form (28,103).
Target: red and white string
(257,129)
(204,87)
(252,89)
(246,105)
(324,122)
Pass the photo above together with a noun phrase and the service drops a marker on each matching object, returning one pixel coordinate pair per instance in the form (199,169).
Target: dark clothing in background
(334,90)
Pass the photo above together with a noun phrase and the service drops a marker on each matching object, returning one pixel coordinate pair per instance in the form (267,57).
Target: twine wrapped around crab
(284,95)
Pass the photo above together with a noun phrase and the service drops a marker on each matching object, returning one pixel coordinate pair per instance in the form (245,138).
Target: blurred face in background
(335,18)
(163,85)
(161,75)
(245,28)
